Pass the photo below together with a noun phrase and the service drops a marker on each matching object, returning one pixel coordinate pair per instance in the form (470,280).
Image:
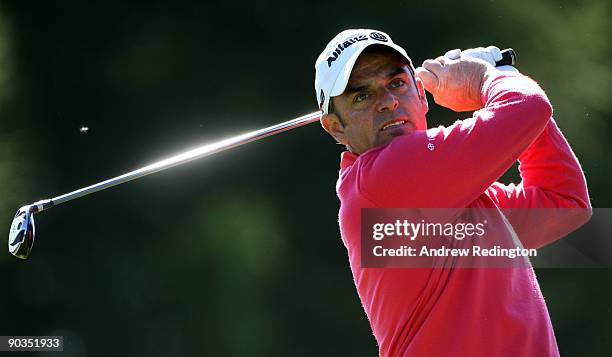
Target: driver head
(21,236)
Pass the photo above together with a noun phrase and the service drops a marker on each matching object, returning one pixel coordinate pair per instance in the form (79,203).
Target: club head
(21,236)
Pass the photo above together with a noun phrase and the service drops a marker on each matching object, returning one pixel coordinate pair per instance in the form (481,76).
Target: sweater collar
(347,159)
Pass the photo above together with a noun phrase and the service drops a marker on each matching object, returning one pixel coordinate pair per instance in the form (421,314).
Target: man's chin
(390,136)
(387,140)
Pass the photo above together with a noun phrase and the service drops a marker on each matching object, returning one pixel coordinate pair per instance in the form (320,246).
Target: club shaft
(197,153)
(509,58)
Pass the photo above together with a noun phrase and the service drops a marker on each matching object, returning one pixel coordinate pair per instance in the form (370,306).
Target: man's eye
(397,83)
(361,97)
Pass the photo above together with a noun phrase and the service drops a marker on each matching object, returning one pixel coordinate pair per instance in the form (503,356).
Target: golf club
(21,234)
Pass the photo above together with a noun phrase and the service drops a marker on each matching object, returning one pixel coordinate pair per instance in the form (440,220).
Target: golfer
(374,103)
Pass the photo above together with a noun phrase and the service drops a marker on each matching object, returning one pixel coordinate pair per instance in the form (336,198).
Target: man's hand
(455,84)
(490,54)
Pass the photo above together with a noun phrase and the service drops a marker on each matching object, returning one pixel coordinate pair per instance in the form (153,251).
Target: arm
(553,185)
(467,157)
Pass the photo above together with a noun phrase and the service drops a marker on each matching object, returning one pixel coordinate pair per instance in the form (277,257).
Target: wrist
(488,78)
(487,73)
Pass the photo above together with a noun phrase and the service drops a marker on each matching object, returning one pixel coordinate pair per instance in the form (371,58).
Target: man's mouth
(393,124)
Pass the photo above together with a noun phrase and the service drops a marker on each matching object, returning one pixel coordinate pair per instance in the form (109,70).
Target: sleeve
(552,199)
(451,167)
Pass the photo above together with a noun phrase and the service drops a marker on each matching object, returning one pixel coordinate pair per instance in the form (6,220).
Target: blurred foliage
(5,59)
(239,254)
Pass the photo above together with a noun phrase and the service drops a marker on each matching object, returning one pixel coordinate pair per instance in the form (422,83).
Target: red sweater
(453,311)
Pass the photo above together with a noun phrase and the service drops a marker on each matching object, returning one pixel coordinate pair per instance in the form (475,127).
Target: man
(374,103)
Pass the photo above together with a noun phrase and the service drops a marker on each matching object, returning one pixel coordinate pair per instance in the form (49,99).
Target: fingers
(434,66)
(490,54)
(430,73)
(480,53)
(495,52)
(453,54)
(429,79)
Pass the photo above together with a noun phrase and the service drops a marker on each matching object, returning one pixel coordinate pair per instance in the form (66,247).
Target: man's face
(381,101)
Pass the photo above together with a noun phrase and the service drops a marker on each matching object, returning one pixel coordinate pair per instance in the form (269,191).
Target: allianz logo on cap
(377,36)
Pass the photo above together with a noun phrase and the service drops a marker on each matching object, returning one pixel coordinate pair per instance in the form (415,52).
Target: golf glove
(489,54)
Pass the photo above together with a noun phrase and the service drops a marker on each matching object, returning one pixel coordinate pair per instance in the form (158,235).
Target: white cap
(335,64)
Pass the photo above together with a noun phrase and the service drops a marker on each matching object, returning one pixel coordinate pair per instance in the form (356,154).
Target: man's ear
(331,123)
(422,96)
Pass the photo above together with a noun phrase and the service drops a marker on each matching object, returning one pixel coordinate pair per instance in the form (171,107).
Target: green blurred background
(239,254)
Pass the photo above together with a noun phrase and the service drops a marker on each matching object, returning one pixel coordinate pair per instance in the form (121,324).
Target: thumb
(429,79)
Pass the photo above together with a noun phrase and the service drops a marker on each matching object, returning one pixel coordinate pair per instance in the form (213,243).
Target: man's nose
(387,101)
